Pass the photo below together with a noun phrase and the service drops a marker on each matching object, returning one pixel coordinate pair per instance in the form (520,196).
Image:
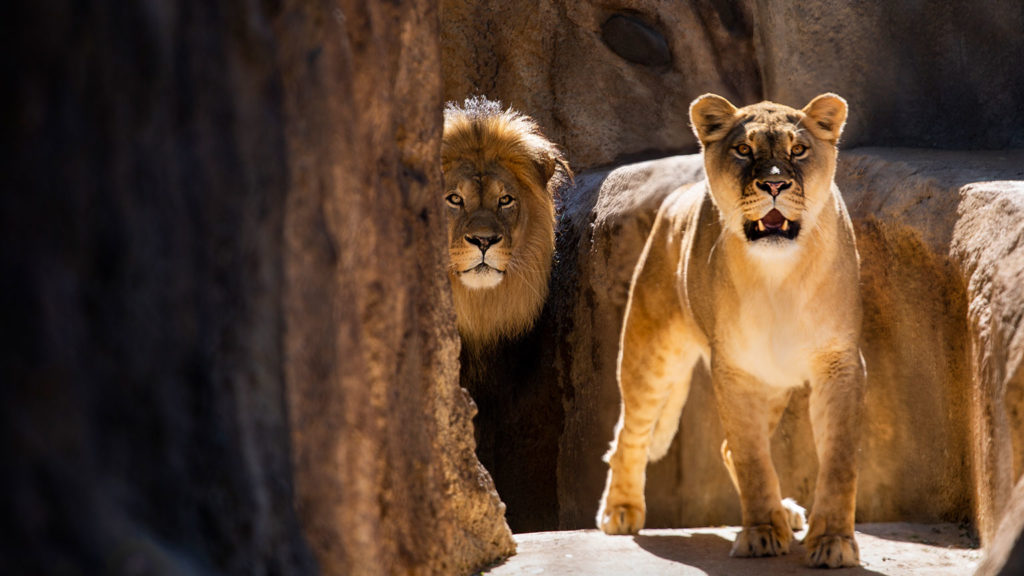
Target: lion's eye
(453,200)
(743,150)
(798,150)
(506,200)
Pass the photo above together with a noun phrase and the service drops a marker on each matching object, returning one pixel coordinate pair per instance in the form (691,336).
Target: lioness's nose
(483,242)
(774,187)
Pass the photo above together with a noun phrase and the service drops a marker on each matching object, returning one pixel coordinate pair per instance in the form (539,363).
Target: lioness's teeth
(760,226)
(785,225)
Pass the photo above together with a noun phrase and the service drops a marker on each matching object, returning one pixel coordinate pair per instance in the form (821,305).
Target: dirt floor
(897,549)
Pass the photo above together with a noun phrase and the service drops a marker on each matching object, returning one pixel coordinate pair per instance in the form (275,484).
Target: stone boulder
(229,344)
(1005,555)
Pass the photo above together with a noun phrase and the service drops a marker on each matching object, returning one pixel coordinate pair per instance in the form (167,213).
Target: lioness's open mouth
(771,224)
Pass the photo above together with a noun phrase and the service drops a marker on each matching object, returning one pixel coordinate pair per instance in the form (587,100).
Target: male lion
(499,181)
(755,271)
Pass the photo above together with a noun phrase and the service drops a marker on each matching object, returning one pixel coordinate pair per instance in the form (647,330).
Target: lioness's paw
(761,540)
(621,519)
(832,551)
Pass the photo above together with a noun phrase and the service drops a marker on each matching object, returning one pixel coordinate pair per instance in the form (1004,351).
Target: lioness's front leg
(623,509)
(749,411)
(836,405)
(655,355)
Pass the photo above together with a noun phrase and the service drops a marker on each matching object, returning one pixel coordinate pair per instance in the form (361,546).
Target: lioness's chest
(772,336)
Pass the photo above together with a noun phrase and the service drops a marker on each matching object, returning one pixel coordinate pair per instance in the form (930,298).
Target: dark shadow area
(517,426)
(710,553)
(961,536)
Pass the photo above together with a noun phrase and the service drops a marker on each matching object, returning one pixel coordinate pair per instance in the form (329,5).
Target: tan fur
(489,154)
(755,271)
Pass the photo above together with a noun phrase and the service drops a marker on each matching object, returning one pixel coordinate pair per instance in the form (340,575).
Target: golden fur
(754,271)
(500,175)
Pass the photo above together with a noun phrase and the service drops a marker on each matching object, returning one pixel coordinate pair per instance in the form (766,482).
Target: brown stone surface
(386,479)
(938,234)
(920,75)
(549,59)
(229,344)
(1005,555)
(886,549)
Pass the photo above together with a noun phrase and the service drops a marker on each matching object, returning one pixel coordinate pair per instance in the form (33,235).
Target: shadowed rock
(229,344)
(635,40)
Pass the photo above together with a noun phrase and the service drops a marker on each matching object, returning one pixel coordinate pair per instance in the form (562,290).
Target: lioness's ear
(826,116)
(709,116)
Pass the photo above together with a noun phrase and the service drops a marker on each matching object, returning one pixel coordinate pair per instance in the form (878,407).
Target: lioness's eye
(798,150)
(506,200)
(453,199)
(743,150)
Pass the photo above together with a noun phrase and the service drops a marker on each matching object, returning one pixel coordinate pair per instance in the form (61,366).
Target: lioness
(499,174)
(754,271)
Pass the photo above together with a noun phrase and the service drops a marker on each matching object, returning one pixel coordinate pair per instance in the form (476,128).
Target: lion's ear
(710,116)
(826,116)
(547,161)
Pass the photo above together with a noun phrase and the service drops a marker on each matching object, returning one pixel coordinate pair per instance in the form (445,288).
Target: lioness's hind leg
(667,424)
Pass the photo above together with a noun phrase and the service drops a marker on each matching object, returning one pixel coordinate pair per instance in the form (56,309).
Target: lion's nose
(483,242)
(774,187)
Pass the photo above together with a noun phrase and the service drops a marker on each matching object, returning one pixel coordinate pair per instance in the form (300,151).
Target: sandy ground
(892,549)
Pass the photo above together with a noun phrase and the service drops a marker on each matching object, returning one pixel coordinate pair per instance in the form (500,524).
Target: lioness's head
(499,178)
(770,167)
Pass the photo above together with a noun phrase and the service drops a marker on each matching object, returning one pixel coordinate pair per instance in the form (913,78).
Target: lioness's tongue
(773,219)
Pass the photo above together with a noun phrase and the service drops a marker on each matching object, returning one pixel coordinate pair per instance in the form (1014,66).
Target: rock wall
(381,429)
(228,341)
(612,79)
(1005,555)
(560,62)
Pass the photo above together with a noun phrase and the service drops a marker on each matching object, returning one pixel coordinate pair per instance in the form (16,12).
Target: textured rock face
(229,345)
(613,79)
(386,479)
(939,236)
(1005,555)
(924,75)
(605,80)
(143,400)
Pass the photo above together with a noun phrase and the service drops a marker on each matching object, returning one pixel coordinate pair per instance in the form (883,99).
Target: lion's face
(486,218)
(769,166)
(499,174)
